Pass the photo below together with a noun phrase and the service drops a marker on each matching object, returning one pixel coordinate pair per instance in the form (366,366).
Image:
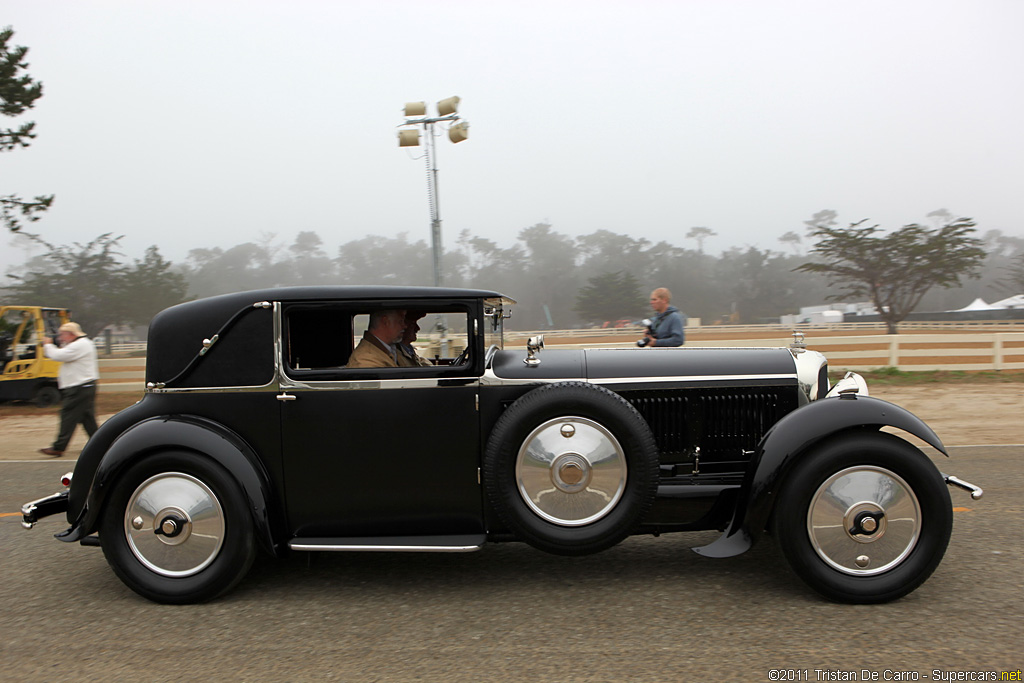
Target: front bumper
(975,491)
(44,507)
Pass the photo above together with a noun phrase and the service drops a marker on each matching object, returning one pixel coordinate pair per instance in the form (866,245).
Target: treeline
(559,281)
(562,281)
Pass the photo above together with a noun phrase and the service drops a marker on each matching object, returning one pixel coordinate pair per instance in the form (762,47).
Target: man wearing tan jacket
(378,347)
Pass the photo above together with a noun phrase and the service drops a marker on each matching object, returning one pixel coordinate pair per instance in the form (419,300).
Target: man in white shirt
(76,380)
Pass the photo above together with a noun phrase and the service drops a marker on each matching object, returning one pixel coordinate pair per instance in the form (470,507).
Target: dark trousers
(78,407)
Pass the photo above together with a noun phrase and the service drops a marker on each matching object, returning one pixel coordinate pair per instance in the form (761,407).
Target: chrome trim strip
(289,384)
(272,386)
(278,345)
(686,378)
(491,379)
(293,545)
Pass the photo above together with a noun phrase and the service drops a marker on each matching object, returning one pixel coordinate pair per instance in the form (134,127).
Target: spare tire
(571,468)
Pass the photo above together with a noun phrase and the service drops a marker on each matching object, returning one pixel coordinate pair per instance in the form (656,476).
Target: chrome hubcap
(864,520)
(571,471)
(174,524)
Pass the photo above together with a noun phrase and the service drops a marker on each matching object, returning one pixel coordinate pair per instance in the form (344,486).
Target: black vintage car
(254,435)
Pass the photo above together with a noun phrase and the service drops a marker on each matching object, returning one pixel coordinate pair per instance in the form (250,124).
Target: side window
(439,338)
(338,342)
(317,338)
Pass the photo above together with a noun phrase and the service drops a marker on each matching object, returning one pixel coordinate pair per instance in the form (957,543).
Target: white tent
(1010,302)
(976,305)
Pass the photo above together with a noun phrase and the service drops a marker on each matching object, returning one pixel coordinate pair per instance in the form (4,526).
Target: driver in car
(379,346)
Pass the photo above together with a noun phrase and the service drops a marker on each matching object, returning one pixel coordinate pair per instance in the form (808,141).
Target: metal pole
(440,325)
(435,203)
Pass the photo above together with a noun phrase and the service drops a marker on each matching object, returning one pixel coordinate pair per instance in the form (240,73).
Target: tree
(793,240)
(700,234)
(609,296)
(760,285)
(894,271)
(548,279)
(310,263)
(375,260)
(486,265)
(1015,276)
(241,267)
(150,286)
(18,92)
(91,281)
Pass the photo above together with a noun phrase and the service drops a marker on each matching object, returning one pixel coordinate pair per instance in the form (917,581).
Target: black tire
(864,519)
(591,478)
(190,493)
(46,396)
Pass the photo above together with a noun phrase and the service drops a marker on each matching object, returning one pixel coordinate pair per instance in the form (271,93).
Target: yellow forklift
(25,373)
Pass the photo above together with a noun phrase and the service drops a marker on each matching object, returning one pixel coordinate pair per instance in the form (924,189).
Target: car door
(377,452)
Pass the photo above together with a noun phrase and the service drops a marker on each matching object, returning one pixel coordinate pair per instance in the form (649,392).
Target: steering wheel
(461,358)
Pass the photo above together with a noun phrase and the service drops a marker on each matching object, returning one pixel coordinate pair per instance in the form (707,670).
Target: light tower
(409,136)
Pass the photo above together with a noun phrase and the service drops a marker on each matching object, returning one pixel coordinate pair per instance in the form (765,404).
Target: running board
(392,544)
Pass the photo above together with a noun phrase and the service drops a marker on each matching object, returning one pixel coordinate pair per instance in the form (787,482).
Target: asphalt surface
(647,610)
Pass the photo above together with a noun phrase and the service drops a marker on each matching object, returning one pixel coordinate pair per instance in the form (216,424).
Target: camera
(646,322)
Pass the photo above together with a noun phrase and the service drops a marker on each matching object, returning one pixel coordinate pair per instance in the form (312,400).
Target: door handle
(286,397)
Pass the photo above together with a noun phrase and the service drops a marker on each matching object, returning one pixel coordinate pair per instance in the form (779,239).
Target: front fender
(185,432)
(784,445)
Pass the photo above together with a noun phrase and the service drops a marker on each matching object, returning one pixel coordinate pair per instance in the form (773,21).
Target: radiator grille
(724,424)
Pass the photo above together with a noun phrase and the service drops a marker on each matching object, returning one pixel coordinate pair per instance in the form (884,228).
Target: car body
(252,434)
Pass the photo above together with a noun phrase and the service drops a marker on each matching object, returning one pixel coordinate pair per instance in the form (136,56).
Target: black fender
(185,432)
(783,446)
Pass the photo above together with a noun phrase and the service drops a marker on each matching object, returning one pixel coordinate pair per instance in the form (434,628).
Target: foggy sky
(209,123)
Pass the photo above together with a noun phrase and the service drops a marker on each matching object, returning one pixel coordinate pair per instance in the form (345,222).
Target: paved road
(647,610)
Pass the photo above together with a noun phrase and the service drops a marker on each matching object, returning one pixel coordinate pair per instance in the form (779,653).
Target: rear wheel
(176,529)
(864,519)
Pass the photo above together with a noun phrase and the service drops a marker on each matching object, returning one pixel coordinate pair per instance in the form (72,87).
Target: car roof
(237,300)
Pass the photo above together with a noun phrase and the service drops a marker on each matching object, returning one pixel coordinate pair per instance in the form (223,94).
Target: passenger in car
(407,356)
(378,347)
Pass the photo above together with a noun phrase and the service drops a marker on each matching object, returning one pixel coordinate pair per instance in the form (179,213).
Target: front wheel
(176,529)
(864,519)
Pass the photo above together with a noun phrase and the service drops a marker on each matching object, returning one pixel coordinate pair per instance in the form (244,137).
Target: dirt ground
(961,414)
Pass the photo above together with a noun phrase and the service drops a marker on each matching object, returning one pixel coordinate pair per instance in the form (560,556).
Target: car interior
(319,339)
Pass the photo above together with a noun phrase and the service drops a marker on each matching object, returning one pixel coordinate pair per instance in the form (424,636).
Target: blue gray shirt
(668,327)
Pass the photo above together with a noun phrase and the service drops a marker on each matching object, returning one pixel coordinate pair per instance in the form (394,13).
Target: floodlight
(459,132)
(415,108)
(409,137)
(448,106)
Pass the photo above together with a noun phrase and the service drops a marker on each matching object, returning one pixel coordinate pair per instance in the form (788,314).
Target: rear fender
(786,443)
(182,432)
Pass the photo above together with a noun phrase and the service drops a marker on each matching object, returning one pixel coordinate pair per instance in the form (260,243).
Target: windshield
(495,313)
